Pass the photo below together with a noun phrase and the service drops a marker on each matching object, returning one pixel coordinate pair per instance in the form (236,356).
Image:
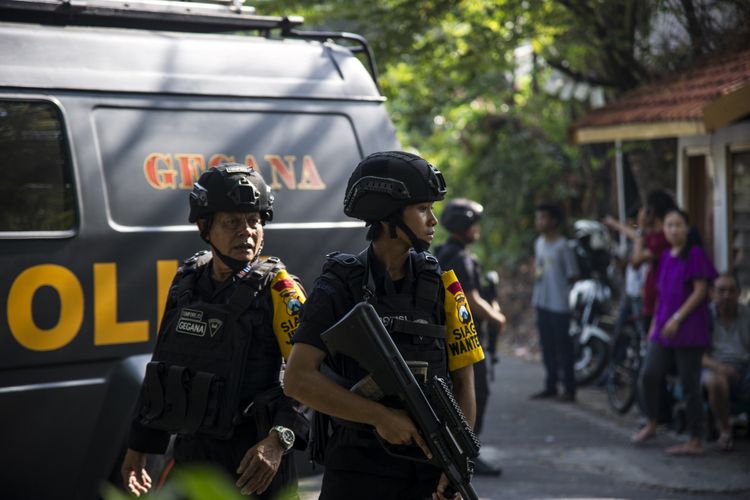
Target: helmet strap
(234,264)
(419,245)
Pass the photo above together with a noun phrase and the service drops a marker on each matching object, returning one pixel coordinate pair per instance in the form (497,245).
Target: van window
(36,186)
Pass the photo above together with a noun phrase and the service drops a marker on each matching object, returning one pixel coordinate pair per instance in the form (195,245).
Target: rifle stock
(361,336)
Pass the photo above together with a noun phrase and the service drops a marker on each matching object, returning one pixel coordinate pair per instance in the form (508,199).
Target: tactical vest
(195,382)
(413,318)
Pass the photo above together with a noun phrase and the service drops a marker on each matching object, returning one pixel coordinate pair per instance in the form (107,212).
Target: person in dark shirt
(220,349)
(425,313)
(461,218)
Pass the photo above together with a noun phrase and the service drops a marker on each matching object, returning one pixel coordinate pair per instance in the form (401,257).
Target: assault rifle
(361,336)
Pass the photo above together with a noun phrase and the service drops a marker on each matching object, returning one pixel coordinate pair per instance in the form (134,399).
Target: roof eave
(638,131)
(728,108)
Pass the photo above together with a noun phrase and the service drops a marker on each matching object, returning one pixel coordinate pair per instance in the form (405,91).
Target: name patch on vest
(191,323)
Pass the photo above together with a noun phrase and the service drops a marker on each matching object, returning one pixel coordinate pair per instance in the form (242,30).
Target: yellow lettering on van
(107,330)
(159,172)
(220,158)
(20,314)
(165,271)
(309,178)
(278,168)
(191,168)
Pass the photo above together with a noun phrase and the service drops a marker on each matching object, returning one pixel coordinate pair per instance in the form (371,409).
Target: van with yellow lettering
(109,112)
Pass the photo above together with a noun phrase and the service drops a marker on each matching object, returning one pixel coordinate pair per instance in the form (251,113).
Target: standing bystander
(649,246)
(679,332)
(555,269)
(635,276)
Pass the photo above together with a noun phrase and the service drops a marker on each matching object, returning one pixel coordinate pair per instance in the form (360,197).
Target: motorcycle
(592,335)
(591,326)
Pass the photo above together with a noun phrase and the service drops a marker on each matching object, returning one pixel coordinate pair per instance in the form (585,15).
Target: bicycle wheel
(621,388)
(622,375)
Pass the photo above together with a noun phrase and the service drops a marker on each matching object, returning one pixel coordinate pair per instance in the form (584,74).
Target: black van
(109,112)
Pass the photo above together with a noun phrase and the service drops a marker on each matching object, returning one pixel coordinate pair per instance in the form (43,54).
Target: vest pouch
(153,391)
(176,395)
(203,403)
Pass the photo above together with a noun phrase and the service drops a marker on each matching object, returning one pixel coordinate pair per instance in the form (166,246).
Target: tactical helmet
(387,181)
(230,187)
(459,214)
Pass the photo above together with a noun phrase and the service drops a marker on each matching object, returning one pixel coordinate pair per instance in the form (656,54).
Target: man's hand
(397,428)
(611,222)
(259,466)
(500,321)
(134,476)
(439,493)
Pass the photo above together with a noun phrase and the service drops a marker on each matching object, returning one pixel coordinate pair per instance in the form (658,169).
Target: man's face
(421,220)
(726,293)
(237,234)
(472,234)
(542,221)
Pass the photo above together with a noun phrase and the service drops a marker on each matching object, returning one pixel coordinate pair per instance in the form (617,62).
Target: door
(700,199)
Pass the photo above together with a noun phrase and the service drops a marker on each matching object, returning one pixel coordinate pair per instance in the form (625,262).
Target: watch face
(286,436)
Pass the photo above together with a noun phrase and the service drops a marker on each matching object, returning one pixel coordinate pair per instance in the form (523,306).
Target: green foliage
(192,482)
(460,95)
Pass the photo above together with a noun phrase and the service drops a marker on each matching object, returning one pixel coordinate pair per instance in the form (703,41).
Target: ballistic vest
(196,382)
(414,317)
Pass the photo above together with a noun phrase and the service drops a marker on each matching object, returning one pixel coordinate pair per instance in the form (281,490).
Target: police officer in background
(461,218)
(393,192)
(214,377)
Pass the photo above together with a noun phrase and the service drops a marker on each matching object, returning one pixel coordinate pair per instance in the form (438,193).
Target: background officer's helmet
(383,183)
(459,214)
(230,187)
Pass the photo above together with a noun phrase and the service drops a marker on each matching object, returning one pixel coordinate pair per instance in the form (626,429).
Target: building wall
(717,146)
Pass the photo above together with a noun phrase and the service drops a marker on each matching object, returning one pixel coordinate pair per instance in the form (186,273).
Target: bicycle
(628,352)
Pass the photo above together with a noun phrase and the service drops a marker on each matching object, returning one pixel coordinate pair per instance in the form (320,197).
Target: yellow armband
(287,297)
(461,338)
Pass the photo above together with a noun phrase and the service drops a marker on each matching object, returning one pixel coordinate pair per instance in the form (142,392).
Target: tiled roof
(681,97)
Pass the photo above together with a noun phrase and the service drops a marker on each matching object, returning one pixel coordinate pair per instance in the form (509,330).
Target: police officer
(424,312)
(214,377)
(461,218)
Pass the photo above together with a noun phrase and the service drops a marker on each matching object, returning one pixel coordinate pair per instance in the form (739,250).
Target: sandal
(684,450)
(725,442)
(642,435)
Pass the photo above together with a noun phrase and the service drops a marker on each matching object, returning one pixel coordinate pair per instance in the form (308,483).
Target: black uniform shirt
(454,255)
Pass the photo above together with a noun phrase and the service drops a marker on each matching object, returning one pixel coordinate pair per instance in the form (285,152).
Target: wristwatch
(286,436)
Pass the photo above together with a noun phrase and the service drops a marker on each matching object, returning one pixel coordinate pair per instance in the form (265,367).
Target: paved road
(582,451)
